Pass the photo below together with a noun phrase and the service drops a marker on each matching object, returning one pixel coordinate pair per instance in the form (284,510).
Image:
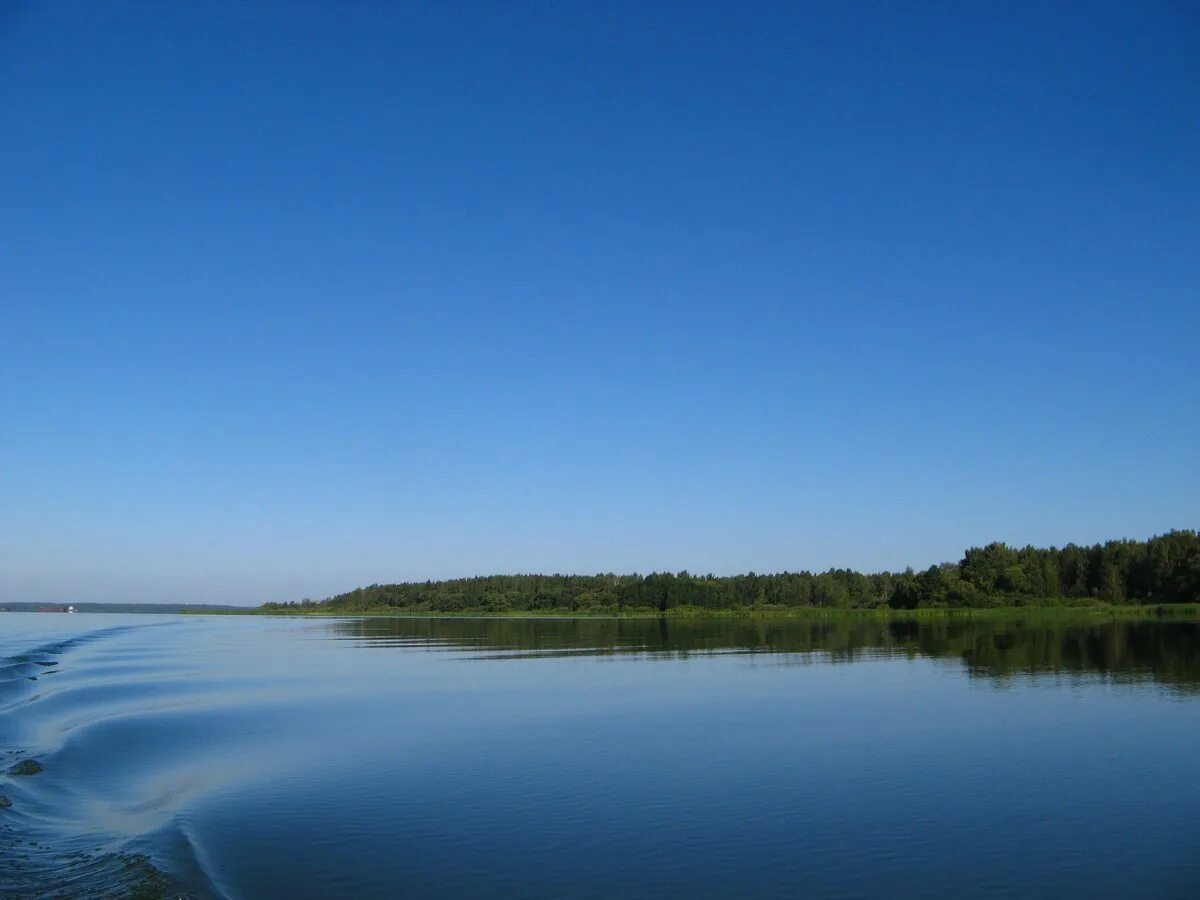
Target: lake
(248,757)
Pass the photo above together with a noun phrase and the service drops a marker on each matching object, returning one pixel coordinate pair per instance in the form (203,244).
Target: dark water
(271,757)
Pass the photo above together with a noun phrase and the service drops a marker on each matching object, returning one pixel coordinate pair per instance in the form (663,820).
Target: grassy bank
(1100,611)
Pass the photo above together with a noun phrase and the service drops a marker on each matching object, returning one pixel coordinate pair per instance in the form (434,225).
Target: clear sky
(303,296)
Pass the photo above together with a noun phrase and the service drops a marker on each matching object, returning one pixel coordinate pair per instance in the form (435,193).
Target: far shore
(1099,611)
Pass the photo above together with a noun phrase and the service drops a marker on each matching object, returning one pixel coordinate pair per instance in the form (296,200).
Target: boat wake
(48,849)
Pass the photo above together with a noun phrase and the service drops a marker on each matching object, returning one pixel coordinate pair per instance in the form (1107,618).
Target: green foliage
(1162,570)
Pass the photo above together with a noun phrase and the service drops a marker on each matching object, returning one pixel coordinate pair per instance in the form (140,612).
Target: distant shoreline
(1165,611)
(122,608)
(1176,611)
(1161,570)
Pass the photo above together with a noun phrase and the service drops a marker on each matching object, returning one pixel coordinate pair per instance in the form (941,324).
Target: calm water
(272,757)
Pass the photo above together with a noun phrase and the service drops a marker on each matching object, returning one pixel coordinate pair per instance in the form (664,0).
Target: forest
(1162,570)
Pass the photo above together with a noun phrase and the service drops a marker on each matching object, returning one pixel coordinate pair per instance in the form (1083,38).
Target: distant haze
(299,298)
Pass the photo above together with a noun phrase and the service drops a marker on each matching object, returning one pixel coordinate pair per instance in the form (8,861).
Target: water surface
(254,757)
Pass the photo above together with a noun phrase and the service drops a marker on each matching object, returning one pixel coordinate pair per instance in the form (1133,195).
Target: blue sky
(297,298)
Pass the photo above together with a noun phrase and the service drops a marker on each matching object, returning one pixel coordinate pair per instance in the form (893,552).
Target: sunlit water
(286,757)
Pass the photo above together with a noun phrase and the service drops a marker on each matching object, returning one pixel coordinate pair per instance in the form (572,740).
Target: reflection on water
(1167,651)
(846,756)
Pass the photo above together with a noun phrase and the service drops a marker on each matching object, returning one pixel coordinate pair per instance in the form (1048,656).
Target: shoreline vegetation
(1155,577)
(1088,610)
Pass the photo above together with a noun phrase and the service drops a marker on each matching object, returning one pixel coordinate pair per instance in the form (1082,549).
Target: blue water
(285,757)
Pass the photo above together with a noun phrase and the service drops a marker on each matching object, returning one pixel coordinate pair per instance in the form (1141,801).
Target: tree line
(1162,570)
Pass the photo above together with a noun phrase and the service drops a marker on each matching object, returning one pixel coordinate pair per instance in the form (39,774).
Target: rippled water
(286,757)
